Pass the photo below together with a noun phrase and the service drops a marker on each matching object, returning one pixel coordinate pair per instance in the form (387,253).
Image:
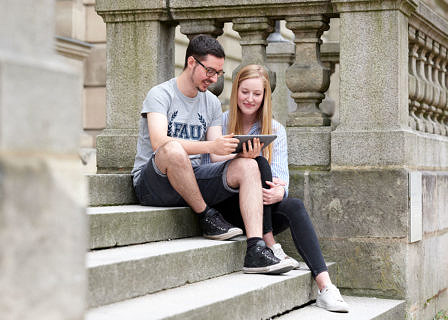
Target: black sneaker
(215,227)
(260,259)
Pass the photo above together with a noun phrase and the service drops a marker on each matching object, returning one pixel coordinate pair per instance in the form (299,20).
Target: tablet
(264,138)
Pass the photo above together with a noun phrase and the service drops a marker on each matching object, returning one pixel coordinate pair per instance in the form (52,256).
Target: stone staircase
(152,263)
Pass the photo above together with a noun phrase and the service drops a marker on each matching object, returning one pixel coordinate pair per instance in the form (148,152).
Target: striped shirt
(279,163)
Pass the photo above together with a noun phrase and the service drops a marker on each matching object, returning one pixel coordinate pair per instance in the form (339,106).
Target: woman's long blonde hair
(264,114)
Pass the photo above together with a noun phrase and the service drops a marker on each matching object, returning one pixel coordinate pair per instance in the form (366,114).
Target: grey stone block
(125,225)
(349,203)
(124,273)
(435,201)
(309,146)
(369,267)
(116,150)
(42,238)
(111,189)
(361,308)
(233,296)
(44,117)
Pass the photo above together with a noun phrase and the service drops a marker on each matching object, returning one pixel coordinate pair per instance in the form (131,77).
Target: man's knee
(171,152)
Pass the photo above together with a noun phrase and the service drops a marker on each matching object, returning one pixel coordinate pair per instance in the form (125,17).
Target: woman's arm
(279,163)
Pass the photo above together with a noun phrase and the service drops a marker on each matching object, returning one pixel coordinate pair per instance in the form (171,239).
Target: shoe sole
(281,267)
(232,233)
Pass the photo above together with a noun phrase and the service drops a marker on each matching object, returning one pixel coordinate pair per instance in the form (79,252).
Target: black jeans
(288,213)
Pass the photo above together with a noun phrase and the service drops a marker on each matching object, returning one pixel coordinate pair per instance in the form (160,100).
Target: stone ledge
(111,189)
(124,225)
(123,273)
(234,299)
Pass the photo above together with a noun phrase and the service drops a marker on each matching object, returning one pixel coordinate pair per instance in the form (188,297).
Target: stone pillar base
(309,147)
(116,149)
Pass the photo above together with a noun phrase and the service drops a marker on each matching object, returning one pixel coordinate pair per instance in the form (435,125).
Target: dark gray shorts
(154,189)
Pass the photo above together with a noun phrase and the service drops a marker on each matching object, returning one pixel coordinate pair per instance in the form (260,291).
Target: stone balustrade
(153,22)
(428,76)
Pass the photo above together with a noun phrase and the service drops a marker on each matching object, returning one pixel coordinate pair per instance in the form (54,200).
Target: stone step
(110,189)
(133,224)
(122,273)
(232,296)
(361,308)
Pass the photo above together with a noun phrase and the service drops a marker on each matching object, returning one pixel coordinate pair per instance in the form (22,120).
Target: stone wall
(42,192)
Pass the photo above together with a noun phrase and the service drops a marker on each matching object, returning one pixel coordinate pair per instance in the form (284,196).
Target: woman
(250,112)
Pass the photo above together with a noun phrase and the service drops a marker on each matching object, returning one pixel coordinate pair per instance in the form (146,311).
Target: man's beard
(198,87)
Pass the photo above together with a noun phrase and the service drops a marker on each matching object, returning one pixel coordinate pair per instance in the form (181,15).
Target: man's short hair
(202,45)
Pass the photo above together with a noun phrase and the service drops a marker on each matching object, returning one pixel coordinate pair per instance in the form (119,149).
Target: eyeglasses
(209,72)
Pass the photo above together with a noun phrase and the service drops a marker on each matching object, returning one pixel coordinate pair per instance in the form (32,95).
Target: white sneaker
(330,299)
(279,253)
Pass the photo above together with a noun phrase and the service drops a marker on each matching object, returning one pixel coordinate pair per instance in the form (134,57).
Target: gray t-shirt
(188,118)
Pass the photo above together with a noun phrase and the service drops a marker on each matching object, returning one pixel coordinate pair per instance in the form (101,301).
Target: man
(182,120)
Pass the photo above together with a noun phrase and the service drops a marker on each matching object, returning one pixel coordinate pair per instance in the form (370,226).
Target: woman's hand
(275,193)
(251,151)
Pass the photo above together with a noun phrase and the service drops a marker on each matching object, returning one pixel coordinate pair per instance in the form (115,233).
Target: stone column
(254,32)
(42,191)
(140,55)
(280,55)
(192,28)
(308,78)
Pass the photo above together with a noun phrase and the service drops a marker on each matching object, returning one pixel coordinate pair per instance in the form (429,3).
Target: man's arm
(158,128)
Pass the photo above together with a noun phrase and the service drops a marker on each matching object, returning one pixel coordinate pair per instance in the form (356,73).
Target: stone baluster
(422,82)
(280,55)
(192,28)
(254,32)
(308,78)
(429,92)
(140,55)
(437,89)
(414,104)
(444,94)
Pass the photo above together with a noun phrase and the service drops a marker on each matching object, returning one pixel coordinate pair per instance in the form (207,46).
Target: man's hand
(275,193)
(225,145)
(251,151)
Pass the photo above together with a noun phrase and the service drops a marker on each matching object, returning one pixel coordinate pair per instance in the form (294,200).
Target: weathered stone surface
(111,189)
(309,146)
(435,202)
(49,115)
(374,103)
(160,265)
(240,296)
(127,90)
(346,203)
(360,308)
(125,225)
(369,266)
(42,238)
(280,56)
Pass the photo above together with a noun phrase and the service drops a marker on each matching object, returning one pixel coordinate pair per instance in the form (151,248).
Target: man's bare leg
(172,160)
(244,174)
